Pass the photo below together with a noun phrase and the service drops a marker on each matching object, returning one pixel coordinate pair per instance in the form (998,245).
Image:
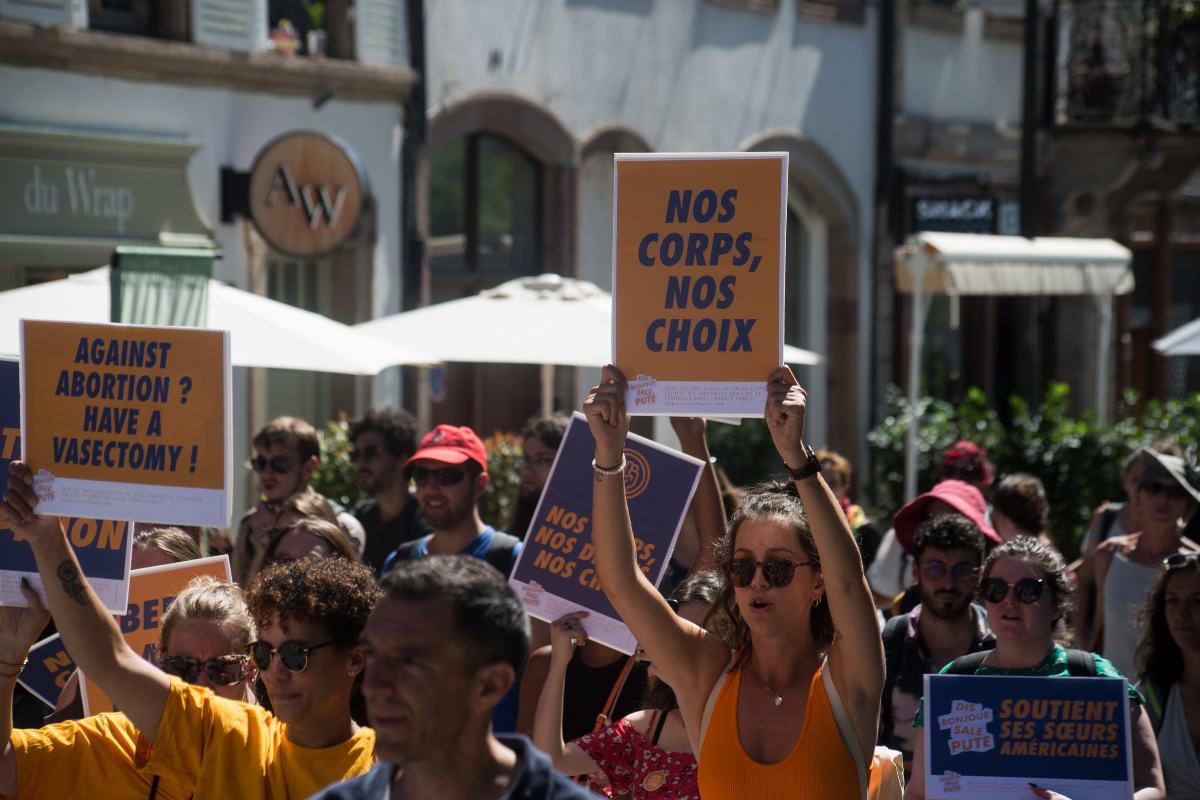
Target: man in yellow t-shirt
(309,614)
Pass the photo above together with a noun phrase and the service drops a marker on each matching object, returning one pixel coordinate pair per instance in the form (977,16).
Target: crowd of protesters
(378,652)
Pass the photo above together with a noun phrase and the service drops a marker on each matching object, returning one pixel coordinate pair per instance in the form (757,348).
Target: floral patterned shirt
(636,768)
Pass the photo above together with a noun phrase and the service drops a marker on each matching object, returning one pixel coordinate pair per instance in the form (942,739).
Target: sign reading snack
(127,421)
(307,192)
(556,574)
(151,592)
(698,277)
(988,737)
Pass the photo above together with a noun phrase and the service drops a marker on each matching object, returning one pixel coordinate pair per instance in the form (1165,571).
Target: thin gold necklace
(778,696)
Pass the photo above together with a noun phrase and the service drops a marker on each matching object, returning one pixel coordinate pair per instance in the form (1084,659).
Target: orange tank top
(818,768)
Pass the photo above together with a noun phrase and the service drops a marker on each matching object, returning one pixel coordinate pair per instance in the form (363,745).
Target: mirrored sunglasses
(1026,590)
(221,670)
(294,655)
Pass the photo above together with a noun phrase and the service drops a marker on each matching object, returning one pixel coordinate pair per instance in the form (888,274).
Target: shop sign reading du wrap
(307,193)
(78,191)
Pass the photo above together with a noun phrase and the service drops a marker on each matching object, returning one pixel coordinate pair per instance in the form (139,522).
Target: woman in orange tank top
(792,710)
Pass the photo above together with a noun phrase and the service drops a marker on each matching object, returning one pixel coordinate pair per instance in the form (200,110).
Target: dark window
(484,209)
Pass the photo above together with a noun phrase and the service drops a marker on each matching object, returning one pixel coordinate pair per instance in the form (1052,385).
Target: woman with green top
(1027,594)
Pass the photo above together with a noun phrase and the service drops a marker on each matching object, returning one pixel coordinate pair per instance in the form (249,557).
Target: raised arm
(687,658)
(19,630)
(707,509)
(88,630)
(856,658)
(565,635)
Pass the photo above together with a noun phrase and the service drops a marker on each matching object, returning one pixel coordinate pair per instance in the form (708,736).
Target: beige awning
(977,264)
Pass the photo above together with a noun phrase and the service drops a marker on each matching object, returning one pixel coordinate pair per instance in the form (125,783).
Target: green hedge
(1077,458)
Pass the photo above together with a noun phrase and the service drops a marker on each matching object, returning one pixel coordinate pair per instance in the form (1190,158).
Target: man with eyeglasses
(383,440)
(286,453)
(309,615)
(948,550)
(449,470)
(1126,566)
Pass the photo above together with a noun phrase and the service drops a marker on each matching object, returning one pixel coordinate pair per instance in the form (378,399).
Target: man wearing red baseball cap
(449,470)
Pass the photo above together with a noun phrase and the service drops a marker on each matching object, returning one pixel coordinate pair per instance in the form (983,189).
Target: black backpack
(1080,664)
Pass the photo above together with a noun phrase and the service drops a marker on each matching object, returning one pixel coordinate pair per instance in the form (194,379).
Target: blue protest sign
(104,547)
(48,669)
(555,573)
(988,736)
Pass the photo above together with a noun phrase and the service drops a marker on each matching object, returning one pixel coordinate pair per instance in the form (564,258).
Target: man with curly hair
(310,614)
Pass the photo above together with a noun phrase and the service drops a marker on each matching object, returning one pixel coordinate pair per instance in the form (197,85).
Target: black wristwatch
(808,468)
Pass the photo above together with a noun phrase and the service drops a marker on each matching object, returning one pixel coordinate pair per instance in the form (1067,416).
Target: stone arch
(541,134)
(614,139)
(825,190)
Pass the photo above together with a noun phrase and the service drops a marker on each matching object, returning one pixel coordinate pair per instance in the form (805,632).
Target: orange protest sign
(151,591)
(698,254)
(127,421)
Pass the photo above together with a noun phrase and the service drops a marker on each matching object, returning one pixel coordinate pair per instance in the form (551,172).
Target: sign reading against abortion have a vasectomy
(698,277)
(127,421)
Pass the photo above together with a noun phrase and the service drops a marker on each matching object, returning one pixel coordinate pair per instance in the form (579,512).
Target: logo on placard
(43,485)
(643,390)
(967,723)
(532,596)
(637,474)
(951,782)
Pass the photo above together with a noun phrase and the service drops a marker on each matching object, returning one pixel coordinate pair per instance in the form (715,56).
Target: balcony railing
(1127,64)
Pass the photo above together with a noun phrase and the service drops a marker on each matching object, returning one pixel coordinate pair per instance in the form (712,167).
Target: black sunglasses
(1179,560)
(1173,491)
(366,454)
(1026,590)
(280,465)
(936,570)
(294,655)
(442,476)
(221,670)
(778,571)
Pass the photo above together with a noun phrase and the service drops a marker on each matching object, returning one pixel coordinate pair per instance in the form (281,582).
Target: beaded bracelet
(609,471)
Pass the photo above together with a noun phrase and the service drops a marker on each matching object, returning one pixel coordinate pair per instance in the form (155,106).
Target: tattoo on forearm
(72,584)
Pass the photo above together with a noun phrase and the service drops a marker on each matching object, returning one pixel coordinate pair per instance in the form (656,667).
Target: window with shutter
(379,31)
(72,13)
(233,24)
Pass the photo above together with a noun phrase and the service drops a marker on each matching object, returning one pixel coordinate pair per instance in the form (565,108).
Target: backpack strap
(1155,702)
(968,664)
(1080,663)
(894,634)
(1107,519)
(845,728)
(500,552)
